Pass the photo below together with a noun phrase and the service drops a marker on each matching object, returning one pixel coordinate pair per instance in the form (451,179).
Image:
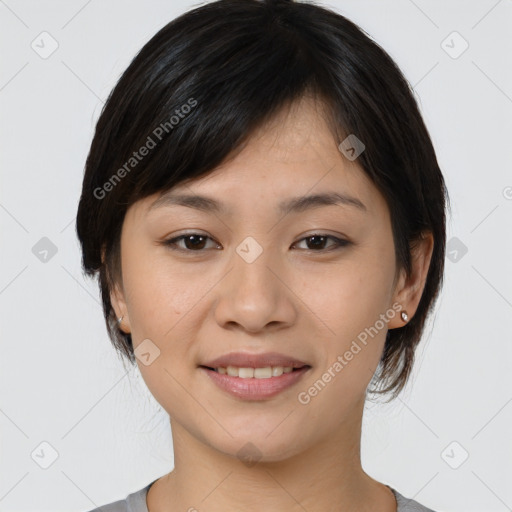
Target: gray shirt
(136,502)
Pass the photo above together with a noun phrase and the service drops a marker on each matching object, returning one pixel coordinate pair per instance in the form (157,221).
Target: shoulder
(408,505)
(134,502)
(116,506)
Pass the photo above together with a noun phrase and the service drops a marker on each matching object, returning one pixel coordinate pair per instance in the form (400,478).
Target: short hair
(207,80)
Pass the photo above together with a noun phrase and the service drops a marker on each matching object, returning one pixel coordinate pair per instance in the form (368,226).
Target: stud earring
(404,316)
(119,320)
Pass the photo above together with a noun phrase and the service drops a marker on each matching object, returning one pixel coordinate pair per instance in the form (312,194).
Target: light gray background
(61,382)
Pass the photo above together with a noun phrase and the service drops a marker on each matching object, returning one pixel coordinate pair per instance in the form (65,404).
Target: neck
(328,477)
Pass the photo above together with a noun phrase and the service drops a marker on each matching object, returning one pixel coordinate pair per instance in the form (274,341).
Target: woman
(265,211)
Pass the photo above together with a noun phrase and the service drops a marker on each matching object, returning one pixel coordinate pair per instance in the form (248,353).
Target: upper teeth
(257,373)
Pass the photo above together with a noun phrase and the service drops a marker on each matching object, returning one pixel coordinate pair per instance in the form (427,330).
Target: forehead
(294,154)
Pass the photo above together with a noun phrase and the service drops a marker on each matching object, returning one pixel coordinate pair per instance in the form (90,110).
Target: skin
(296,298)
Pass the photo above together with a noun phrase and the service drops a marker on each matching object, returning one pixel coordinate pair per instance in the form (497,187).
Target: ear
(408,291)
(118,301)
(119,305)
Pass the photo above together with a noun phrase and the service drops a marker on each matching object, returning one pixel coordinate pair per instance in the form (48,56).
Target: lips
(245,360)
(254,376)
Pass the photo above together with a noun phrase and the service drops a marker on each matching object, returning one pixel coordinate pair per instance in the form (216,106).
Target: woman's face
(254,280)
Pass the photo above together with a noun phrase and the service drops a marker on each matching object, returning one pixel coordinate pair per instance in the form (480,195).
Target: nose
(255,296)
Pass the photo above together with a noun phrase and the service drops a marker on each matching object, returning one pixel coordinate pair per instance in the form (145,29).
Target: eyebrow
(291,205)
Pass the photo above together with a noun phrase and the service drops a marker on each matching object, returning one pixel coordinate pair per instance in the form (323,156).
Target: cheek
(158,294)
(159,297)
(352,305)
(354,296)
(353,293)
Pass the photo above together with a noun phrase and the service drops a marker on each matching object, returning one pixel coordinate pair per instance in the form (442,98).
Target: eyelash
(338,242)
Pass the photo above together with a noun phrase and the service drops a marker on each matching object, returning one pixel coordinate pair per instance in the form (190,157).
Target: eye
(193,242)
(317,242)
(197,242)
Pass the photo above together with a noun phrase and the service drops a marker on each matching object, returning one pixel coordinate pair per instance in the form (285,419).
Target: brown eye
(193,242)
(317,242)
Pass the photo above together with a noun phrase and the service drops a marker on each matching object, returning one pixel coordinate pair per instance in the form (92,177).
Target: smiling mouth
(266,372)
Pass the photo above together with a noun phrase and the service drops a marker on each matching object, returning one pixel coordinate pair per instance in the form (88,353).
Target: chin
(252,447)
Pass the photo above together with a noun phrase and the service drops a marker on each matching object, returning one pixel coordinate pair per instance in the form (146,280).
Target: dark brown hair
(201,86)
